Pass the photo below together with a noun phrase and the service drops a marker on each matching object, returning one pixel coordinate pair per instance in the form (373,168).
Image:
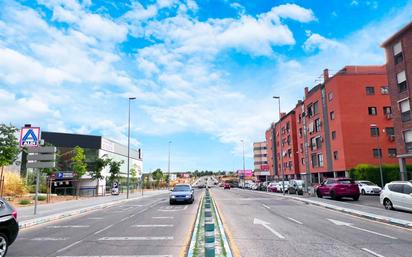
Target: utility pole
(128,152)
(243,145)
(168,168)
(281,148)
(308,177)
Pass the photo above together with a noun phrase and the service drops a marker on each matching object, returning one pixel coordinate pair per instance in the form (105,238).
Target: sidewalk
(54,211)
(398,218)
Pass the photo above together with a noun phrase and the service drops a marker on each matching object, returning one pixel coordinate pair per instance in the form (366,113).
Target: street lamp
(168,167)
(128,151)
(379,150)
(281,154)
(243,145)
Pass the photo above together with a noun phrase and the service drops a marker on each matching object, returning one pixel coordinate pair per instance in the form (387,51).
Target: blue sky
(203,72)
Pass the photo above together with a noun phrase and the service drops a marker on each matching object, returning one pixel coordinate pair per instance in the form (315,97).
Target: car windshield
(181,188)
(368,183)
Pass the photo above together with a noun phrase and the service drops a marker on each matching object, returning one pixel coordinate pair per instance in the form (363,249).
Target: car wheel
(356,198)
(363,192)
(4,245)
(318,193)
(333,195)
(171,202)
(388,204)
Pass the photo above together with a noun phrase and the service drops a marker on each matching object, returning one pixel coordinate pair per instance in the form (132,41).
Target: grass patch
(24,202)
(40,197)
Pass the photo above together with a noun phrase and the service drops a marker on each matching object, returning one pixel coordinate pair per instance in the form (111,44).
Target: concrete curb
(371,216)
(38,221)
(194,233)
(222,231)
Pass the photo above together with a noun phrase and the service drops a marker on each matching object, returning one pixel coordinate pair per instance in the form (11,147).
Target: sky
(203,71)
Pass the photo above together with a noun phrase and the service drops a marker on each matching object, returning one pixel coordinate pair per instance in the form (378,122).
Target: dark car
(337,188)
(9,228)
(182,193)
(296,186)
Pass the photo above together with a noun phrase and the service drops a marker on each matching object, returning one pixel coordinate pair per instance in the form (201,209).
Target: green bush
(369,172)
(24,202)
(40,197)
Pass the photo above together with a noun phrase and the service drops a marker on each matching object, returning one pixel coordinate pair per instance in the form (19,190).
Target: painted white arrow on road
(266,225)
(341,223)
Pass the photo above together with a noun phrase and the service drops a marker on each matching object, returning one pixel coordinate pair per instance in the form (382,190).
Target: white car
(367,187)
(279,186)
(397,195)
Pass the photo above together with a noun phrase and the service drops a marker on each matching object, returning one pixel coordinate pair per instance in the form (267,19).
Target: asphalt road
(142,227)
(262,225)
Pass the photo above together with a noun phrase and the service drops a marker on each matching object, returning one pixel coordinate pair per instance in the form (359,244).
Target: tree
(157,175)
(79,165)
(115,170)
(9,148)
(98,167)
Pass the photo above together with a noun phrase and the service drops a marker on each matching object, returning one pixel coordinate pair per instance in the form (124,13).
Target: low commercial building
(94,147)
(398,50)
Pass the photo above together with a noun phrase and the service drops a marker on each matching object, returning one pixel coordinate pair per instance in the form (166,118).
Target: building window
(407,136)
(372,111)
(370,90)
(392,152)
(401,78)
(301,148)
(384,90)
(374,131)
(310,110)
(303,161)
(333,135)
(387,110)
(320,160)
(377,152)
(316,143)
(300,118)
(397,52)
(315,108)
(390,131)
(314,160)
(332,115)
(335,155)
(330,96)
(300,132)
(288,140)
(317,125)
(405,110)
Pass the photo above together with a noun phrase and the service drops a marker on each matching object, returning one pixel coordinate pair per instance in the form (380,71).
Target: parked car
(9,228)
(367,187)
(397,195)
(261,187)
(226,186)
(280,186)
(338,188)
(254,186)
(272,187)
(296,186)
(182,193)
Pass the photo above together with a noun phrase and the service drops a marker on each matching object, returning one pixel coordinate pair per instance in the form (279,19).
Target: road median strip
(362,214)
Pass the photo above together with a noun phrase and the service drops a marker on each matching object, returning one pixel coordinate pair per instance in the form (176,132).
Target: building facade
(260,157)
(94,147)
(343,122)
(398,50)
(270,136)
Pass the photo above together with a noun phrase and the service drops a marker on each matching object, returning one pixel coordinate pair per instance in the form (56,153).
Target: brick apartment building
(260,157)
(398,50)
(348,121)
(270,137)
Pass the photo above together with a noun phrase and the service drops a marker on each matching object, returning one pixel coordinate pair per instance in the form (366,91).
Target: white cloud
(316,41)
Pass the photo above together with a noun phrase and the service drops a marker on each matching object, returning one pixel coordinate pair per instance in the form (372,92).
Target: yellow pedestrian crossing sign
(29,136)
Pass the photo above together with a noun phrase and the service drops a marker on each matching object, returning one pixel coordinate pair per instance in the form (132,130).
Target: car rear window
(345,181)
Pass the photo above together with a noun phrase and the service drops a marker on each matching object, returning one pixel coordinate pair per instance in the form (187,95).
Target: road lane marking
(372,252)
(125,218)
(292,219)
(163,217)
(267,207)
(154,226)
(67,247)
(95,218)
(116,256)
(69,226)
(136,238)
(266,225)
(341,223)
(49,239)
(103,229)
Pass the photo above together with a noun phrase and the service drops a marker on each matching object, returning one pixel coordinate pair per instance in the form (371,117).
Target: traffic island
(208,238)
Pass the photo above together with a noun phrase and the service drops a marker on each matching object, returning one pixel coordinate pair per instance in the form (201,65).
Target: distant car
(182,193)
(280,186)
(9,228)
(367,187)
(397,195)
(226,186)
(272,187)
(296,186)
(337,188)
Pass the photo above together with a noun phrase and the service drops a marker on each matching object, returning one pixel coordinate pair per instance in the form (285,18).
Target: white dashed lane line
(103,229)
(153,226)
(136,238)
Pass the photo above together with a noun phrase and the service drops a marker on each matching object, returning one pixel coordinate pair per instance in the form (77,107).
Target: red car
(338,188)
(272,187)
(226,186)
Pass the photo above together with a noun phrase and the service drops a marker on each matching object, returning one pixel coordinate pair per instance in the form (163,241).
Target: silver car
(182,193)
(397,195)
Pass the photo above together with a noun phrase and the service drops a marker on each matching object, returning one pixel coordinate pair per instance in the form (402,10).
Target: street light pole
(168,168)
(128,151)
(379,151)
(243,145)
(280,142)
